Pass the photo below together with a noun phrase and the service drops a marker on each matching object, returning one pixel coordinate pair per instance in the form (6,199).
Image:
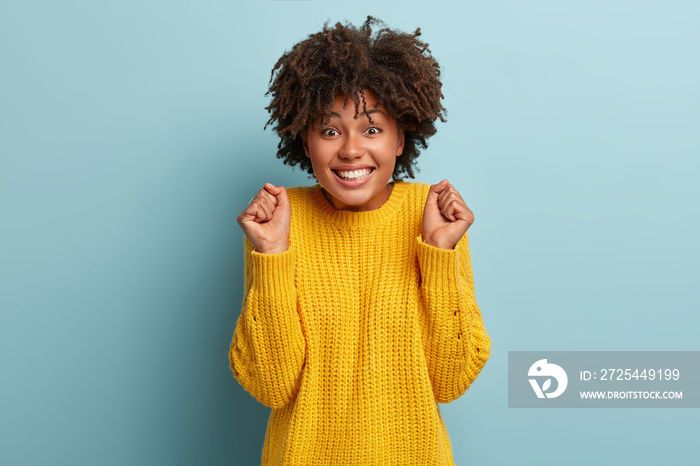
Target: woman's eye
(328,132)
(373,130)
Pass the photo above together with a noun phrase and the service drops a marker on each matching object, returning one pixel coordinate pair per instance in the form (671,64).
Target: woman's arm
(268,350)
(455,341)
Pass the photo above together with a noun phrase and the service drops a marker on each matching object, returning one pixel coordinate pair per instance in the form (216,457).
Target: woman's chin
(357,201)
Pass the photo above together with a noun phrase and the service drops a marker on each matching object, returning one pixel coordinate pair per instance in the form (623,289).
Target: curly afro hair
(395,66)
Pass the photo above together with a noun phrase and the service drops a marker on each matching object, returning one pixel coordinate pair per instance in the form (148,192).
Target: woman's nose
(352,148)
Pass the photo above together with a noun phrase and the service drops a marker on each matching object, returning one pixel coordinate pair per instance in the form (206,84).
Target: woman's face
(352,159)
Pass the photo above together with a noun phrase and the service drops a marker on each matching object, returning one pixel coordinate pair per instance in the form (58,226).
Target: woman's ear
(401,143)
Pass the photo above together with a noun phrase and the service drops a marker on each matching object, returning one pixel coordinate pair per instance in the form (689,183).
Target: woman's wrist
(430,242)
(275,249)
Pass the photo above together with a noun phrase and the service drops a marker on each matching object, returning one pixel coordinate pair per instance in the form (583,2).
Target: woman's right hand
(267,219)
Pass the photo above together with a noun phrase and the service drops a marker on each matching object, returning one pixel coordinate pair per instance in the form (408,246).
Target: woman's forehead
(368,95)
(371,105)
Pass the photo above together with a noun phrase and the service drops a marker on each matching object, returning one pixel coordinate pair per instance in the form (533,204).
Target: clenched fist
(446,217)
(267,219)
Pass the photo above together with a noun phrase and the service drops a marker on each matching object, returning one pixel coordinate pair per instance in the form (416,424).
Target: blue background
(131,136)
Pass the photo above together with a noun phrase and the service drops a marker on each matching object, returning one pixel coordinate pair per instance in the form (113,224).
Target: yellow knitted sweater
(355,333)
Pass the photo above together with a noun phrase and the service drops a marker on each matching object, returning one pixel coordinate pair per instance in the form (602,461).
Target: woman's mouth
(353,177)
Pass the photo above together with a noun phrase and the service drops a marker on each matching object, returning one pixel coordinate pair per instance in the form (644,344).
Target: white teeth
(355,174)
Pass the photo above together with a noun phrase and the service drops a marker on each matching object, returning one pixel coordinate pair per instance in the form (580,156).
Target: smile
(355,174)
(355,177)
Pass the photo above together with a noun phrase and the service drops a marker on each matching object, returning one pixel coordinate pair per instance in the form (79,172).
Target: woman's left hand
(446,217)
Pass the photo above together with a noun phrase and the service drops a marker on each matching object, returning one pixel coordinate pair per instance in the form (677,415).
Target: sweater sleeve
(268,351)
(455,339)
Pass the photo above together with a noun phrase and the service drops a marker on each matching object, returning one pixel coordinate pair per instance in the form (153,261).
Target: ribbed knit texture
(355,333)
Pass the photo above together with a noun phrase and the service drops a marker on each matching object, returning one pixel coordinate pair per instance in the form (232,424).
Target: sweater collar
(366,219)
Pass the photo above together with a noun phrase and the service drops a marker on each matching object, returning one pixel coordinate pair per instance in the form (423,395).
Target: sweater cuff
(273,274)
(439,267)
